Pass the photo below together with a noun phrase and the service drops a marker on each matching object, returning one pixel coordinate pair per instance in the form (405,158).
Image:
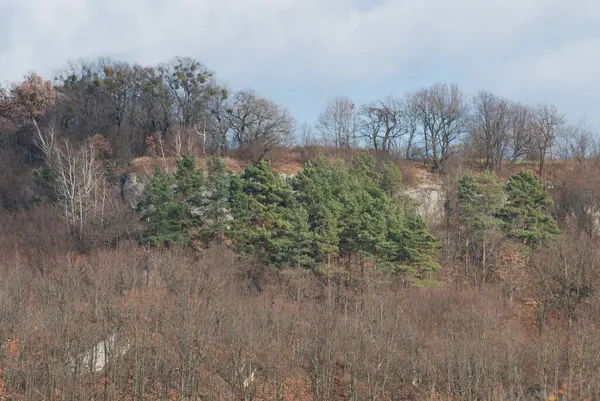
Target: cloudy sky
(301,53)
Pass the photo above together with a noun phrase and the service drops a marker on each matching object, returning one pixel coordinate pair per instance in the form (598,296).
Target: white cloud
(572,67)
(510,44)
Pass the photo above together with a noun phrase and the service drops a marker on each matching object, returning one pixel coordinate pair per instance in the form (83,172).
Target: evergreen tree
(391,179)
(364,220)
(166,220)
(526,214)
(409,247)
(217,214)
(327,210)
(318,189)
(189,187)
(479,201)
(267,217)
(372,220)
(365,209)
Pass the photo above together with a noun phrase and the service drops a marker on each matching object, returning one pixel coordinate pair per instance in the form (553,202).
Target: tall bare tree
(306,135)
(215,127)
(521,131)
(258,125)
(578,142)
(77,176)
(489,131)
(547,126)
(411,126)
(381,123)
(441,111)
(337,123)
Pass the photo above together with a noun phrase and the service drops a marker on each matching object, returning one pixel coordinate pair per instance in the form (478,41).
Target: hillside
(283,334)
(429,246)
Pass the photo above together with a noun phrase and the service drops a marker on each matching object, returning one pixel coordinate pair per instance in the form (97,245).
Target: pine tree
(317,189)
(526,214)
(217,214)
(267,217)
(391,179)
(479,201)
(409,247)
(189,188)
(379,223)
(172,206)
(364,223)
(365,208)
(165,219)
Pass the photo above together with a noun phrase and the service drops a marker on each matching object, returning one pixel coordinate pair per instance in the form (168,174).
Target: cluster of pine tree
(327,212)
(189,205)
(520,209)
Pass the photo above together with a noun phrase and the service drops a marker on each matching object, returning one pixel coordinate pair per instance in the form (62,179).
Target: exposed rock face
(98,356)
(587,219)
(430,200)
(131,187)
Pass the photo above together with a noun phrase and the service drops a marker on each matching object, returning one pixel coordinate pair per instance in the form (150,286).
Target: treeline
(176,105)
(440,121)
(180,105)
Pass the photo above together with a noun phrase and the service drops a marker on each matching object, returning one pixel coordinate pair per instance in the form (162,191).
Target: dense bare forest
(166,237)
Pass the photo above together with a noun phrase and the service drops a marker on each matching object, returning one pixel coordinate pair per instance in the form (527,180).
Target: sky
(302,53)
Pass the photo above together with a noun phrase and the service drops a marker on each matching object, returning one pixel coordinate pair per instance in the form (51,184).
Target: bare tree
(521,124)
(411,125)
(337,123)
(77,175)
(578,199)
(258,125)
(489,131)
(547,126)
(441,111)
(577,142)
(6,123)
(306,135)
(381,123)
(371,124)
(215,127)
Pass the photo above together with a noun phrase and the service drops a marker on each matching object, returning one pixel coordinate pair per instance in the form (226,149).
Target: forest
(165,237)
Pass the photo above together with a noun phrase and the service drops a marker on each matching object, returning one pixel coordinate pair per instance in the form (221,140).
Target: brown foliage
(31,98)
(194,330)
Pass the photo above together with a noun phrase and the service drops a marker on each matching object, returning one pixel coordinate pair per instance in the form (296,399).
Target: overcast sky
(300,53)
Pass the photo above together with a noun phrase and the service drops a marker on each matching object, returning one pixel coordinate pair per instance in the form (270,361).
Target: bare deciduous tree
(76,176)
(306,135)
(489,130)
(577,142)
(547,126)
(191,84)
(337,123)
(216,124)
(258,125)
(411,125)
(381,123)
(521,127)
(441,111)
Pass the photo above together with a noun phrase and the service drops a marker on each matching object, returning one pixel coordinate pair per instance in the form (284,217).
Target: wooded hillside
(165,237)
